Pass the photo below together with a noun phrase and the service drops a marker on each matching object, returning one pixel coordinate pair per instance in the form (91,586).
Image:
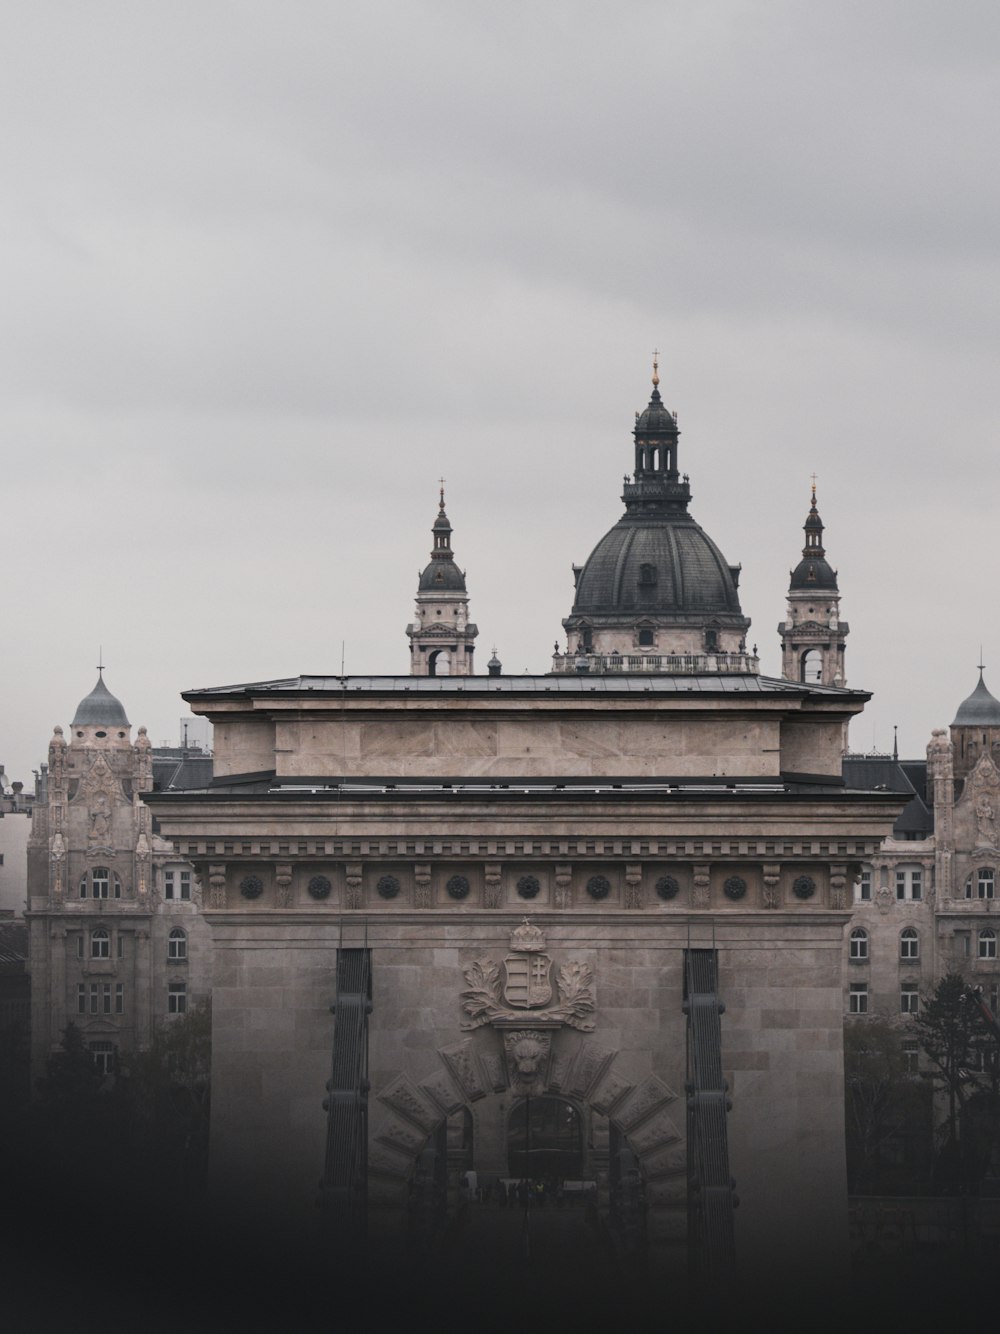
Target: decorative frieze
(633,886)
(771,893)
(422,885)
(492,885)
(217,885)
(282,885)
(353,895)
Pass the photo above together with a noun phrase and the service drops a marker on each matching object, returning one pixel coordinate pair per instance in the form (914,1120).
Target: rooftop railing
(683,664)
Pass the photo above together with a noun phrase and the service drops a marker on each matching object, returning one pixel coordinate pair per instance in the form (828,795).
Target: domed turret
(813,571)
(100,708)
(981,709)
(976,729)
(656,586)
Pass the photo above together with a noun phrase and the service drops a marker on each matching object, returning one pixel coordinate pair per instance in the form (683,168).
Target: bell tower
(442,638)
(813,635)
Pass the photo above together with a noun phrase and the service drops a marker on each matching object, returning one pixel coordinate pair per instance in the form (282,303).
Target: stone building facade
(117,941)
(926,904)
(650,802)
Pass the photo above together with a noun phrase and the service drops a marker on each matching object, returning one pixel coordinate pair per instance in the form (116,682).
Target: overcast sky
(269,269)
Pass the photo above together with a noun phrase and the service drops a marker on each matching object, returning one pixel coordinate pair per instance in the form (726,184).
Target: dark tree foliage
(883,1103)
(957,1045)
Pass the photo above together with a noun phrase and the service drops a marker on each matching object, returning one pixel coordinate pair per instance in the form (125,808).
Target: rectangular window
(168,884)
(963,943)
(121,946)
(863,887)
(911,1057)
(177,998)
(909,883)
(105,997)
(100,882)
(104,1056)
(909,998)
(985,882)
(858,1003)
(94,996)
(119,998)
(79,946)
(81,998)
(185,884)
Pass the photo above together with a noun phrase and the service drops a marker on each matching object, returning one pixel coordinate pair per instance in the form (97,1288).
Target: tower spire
(813,635)
(442,639)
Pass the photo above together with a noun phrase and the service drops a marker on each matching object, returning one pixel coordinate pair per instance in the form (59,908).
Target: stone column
(564,887)
(772,878)
(283,885)
(838,886)
(353,880)
(492,886)
(699,891)
(422,885)
(217,885)
(633,886)
(142,998)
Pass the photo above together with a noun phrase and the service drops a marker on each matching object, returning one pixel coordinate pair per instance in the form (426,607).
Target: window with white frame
(176,884)
(177,998)
(858,945)
(909,883)
(911,1057)
(100,944)
(858,998)
(103,1054)
(863,887)
(99,998)
(909,998)
(981,884)
(909,944)
(987,944)
(177,944)
(101,883)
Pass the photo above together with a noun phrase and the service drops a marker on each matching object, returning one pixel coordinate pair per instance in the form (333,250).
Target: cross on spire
(441,480)
(100,660)
(656,366)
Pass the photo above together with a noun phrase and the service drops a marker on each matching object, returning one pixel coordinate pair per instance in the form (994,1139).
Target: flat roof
(605,683)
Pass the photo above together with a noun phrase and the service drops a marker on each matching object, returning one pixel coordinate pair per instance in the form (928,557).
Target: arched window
(981,884)
(98,884)
(812,666)
(859,945)
(177,944)
(909,944)
(439,663)
(987,944)
(100,944)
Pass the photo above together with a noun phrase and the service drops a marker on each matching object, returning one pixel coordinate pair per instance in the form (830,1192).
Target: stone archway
(408,1112)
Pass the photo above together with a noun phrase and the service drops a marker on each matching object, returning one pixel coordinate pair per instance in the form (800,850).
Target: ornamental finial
(441,480)
(656,368)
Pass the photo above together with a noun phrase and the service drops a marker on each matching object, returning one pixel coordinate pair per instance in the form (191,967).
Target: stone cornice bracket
(633,886)
(217,885)
(772,879)
(700,885)
(283,884)
(353,882)
(564,887)
(492,885)
(422,885)
(838,886)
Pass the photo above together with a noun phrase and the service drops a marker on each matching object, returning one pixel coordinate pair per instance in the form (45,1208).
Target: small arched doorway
(545,1139)
(439,663)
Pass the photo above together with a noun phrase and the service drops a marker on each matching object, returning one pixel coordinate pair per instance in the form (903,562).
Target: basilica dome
(666,565)
(656,581)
